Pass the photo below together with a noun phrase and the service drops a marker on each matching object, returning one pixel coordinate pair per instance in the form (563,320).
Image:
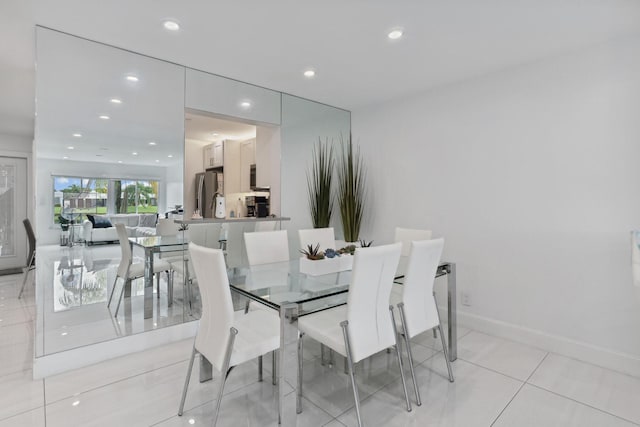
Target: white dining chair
(225,338)
(407,235)
(128,270)
(167,227)
(416,300)
(366,324)
(265,247)
(324,236)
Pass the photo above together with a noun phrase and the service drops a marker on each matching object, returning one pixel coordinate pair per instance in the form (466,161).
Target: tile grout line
(518,391)
(116,381)
(583,404)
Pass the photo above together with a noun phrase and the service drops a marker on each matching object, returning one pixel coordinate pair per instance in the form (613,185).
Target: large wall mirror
(110,139)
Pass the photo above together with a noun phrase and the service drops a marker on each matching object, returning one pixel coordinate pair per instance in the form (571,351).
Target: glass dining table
(152,245)
(282,287)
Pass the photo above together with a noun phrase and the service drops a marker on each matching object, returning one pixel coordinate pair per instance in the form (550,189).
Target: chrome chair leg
(346,366)
(274,357)
(404,383)
(170,288)
(27,269)
(259,368)
(322,362)
(186,381)
(435,334)
(158,285)
(124,285)
(409,354)
(444,343)
(354,386)
(113,289)
(225,372)
(299,391)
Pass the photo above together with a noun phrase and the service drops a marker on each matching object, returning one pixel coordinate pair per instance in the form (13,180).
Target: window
(75,197)
(136,196)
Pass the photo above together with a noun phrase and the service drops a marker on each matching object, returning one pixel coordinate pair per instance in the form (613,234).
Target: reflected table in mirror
(282,287)
(152,245)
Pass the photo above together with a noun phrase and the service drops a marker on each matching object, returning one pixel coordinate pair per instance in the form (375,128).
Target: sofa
(101,228)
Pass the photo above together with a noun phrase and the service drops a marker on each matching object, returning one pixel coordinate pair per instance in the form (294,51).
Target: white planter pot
(326,265)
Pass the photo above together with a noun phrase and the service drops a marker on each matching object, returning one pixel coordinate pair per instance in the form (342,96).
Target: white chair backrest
(217,307)
(417,292)
(264,247)
(325,236)
(635,257)
(166,227)
(125,250)
(408,235)
(370,327)
(265,226)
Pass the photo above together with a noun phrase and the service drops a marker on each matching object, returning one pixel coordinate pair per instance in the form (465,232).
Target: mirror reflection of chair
(407,235)
(167,227)
(416,300)
(128,270)
(31,257)
(366,324)
(325,237)
(225,338)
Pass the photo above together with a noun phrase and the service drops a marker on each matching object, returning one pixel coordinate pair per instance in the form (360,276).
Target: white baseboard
(64,361)
(600,356)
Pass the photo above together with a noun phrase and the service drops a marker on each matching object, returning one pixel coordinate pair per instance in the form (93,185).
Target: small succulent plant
(365,244)
(350,250)
(331,253)
(313,252)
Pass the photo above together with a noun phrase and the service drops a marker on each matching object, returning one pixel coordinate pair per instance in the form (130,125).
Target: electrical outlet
(466,299)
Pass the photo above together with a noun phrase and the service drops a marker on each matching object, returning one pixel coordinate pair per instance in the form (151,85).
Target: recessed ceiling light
(105,117)
(71,147)
(132,78)
(64,334)
(395,34)
(157,161)
(134,153)
(309,74)
(215,134)
(77,135)
(119,161)
(116,101)
(170,156)
(76,403)
(152,143)
(245,104)
(192,421)
(171,25)
(65,157)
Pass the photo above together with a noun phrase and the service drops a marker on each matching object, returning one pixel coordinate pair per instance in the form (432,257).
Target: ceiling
(270,43)
(207,128)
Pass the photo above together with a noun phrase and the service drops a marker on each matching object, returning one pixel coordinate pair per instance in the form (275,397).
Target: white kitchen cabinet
(213,155)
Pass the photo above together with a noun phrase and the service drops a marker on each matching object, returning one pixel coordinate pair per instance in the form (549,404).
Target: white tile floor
(498,383)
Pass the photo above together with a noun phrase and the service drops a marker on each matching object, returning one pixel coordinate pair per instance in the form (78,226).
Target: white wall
(46,231)
(532,176)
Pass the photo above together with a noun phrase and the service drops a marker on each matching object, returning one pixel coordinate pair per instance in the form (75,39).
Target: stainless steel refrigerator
(207,185)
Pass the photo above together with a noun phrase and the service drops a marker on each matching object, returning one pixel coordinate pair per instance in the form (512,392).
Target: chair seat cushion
(137,269)
(258,334)
(325,328)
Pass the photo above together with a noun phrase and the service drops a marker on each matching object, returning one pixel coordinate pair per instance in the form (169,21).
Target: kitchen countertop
(230,220)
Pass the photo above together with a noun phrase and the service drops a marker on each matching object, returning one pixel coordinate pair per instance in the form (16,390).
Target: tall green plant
(351,189)
(319,183)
